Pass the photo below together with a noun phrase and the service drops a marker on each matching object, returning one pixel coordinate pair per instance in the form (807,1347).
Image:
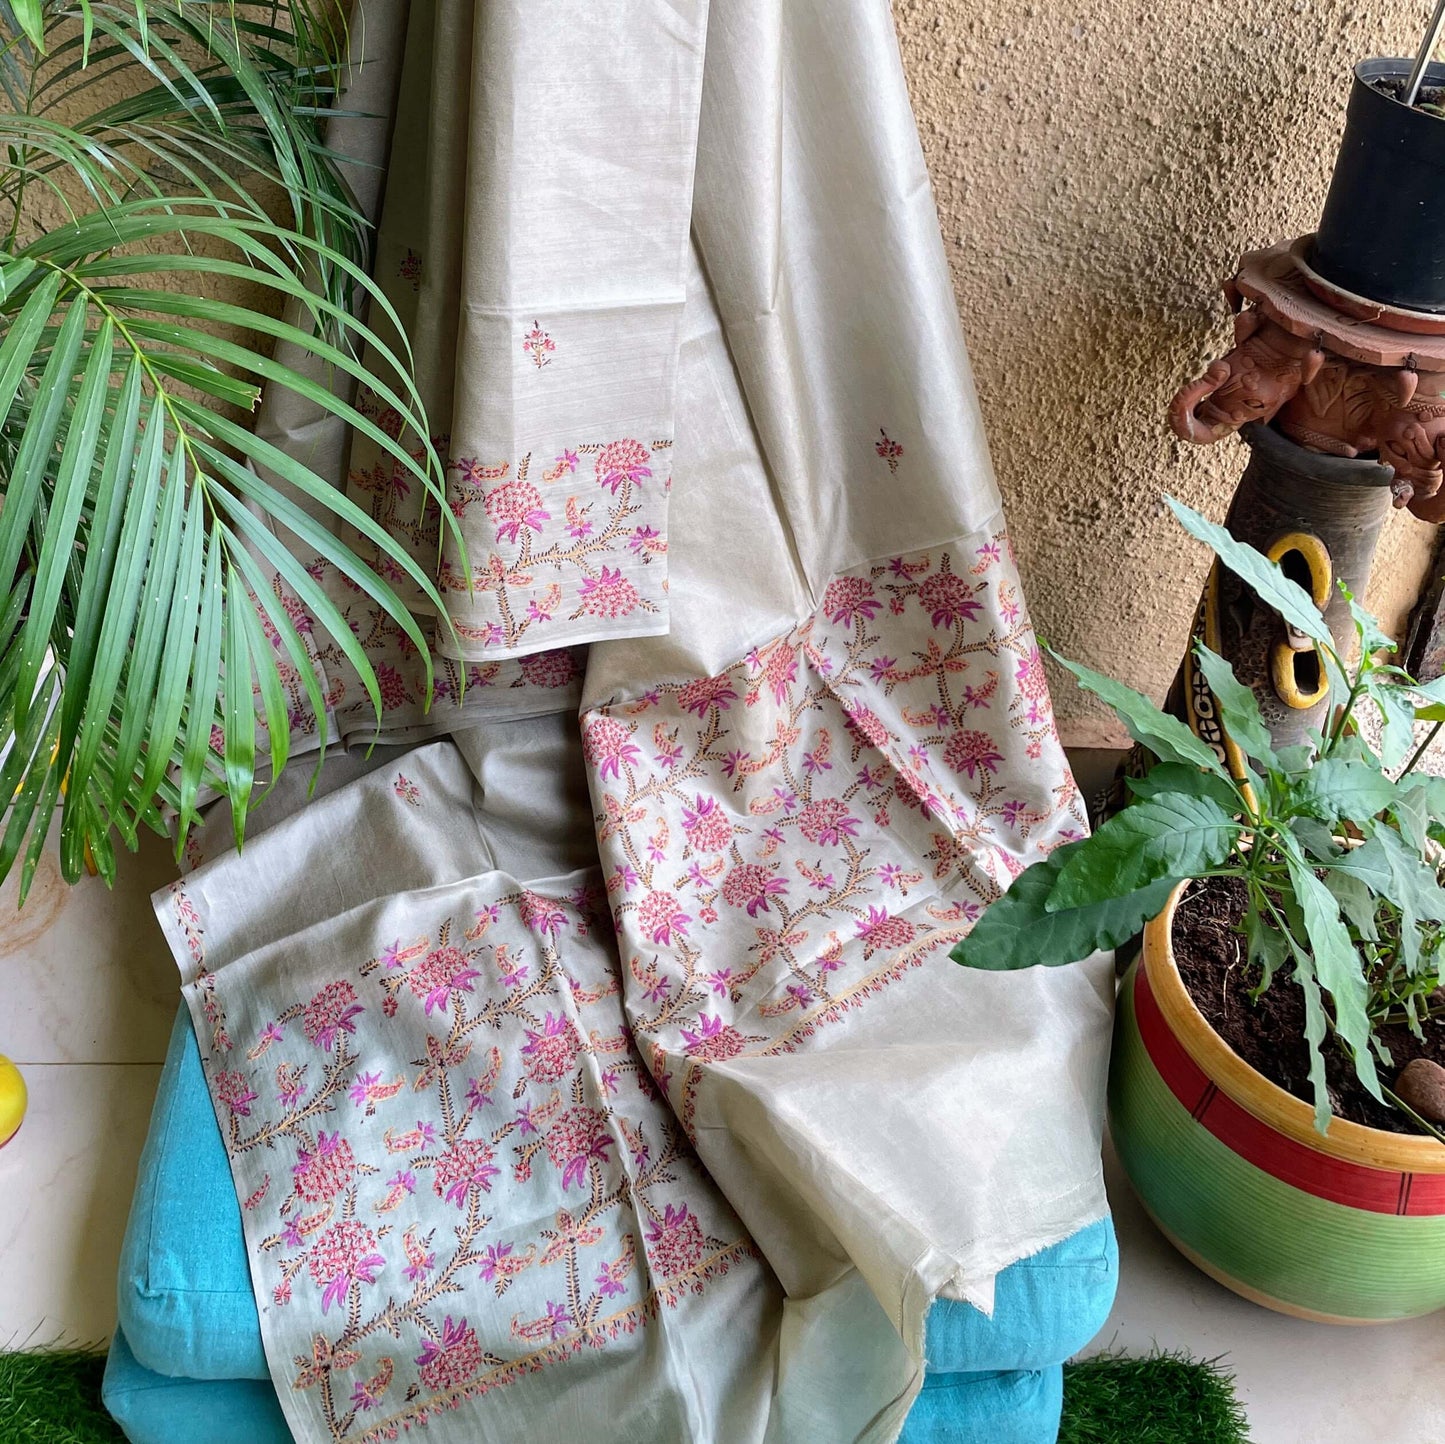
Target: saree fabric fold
(601,1070)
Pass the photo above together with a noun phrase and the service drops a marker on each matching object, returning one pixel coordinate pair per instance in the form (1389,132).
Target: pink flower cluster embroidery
(831,809)
(518,1083)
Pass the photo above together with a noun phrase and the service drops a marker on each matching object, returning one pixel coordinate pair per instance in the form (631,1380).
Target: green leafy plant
(1336,845)
(137,621)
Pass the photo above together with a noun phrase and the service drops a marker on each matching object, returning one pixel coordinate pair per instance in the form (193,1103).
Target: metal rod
(1427,49)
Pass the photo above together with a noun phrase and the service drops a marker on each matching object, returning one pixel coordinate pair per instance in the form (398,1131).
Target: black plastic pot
(1382,234)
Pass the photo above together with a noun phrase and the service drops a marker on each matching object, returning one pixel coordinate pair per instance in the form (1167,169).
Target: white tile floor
(87,996)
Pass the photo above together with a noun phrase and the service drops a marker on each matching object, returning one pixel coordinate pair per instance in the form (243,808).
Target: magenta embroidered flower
(392,685)
(514,505)
(608,595)
(607,744)
(707,692)
(712,1040)
(551,669)
(750,885)
(544,915)
(948,599)
(661,916)
(409,268)
(454,1360)
(881,932)
(463,1169)
(780,669)
(674,1242)
(706,826)
(577,1137)
(330,1012)
(1030,677)
(322,1172)
(496,1262)
(550,1054)
(622,461)
(850,597)
(441,973)
(344,1255)
(827,822)
(969,752)
(558,1320)
(234,1091)
(609,1278)
(868,725)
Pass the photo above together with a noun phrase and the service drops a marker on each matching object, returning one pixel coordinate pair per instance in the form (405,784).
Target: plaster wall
(1099,165)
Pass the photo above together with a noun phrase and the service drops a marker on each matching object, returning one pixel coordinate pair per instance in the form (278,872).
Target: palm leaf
(145,532)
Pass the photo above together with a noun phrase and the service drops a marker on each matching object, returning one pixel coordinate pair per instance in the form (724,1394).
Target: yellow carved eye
(1295,667)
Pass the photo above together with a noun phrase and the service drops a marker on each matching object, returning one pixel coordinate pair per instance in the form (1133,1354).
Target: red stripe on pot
(1337,1180)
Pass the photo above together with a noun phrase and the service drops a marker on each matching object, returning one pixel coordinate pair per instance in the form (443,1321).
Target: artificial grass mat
(53,1397)
(1160,1399)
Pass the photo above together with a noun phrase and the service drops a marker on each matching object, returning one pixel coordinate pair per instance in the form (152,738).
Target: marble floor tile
(84,971)
(65,1186)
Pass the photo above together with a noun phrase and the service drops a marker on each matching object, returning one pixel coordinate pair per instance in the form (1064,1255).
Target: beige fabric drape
(677,290)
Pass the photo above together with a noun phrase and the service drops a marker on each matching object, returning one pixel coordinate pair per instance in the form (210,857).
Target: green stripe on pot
(1297,1251)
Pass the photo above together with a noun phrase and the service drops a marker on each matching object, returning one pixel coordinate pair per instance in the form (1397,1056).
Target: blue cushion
(185,1302)
(1020,1406)
(1046,1308)
(154,1409)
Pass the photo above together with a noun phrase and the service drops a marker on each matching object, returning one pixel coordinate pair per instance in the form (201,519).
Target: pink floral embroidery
(234,1091)
(514,505)
(552,1052)
(819,785)
(889,450)
(620,462)
(406,789)
(674,1241)
(409,269)
(333,1010)
(609,594)
(345,1255)
(452,1360)
(538,345)
(570,1094)
(321,1173)
(465,1169)
(578,1138)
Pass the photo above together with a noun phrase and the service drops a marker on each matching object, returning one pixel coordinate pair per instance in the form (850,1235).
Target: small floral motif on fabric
(829,811)
(538,346)
(409,269)
(888,449)
(476,1178)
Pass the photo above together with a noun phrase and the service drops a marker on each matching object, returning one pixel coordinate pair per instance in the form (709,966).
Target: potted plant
(1382,234)
(143,586)
(1274,1088)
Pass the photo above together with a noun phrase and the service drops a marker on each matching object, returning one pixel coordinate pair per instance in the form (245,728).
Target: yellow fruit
(12,1100)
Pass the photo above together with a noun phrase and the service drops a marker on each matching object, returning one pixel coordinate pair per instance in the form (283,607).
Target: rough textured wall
(1099,165)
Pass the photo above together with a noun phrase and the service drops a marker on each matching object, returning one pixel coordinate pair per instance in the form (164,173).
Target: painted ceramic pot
(1346,1227)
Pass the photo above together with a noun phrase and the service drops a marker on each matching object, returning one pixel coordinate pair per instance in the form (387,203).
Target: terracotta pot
(1346,1227)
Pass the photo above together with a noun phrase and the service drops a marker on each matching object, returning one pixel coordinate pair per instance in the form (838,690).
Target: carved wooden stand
(1342,402)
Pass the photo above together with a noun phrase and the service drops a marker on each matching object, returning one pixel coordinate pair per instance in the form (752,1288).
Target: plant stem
(1435,730)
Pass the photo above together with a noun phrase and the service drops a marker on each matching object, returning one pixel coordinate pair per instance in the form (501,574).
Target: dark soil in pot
(1431,97)
(1268,1034)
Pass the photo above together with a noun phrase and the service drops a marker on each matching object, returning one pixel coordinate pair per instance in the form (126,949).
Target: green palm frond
(139,629)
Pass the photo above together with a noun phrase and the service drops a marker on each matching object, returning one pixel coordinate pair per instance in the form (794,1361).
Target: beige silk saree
(599,1068)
